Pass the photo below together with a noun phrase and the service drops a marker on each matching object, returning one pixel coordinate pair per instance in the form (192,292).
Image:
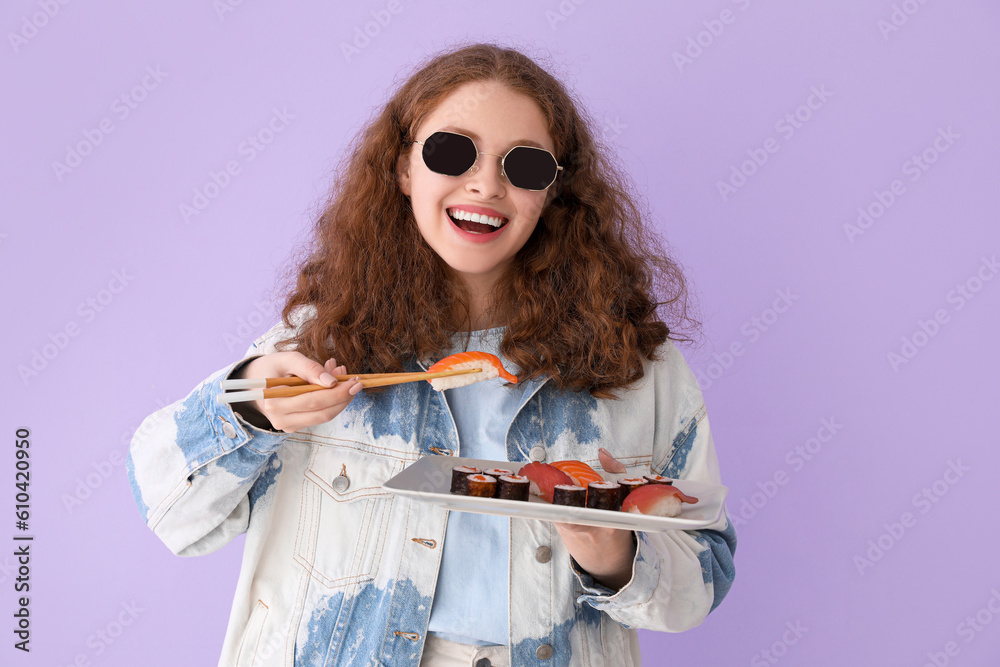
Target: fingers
(293,413)
(297,412)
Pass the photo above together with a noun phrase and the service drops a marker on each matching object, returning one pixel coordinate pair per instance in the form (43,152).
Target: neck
(479,296)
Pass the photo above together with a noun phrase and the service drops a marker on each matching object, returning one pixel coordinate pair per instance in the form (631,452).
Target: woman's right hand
(293,413)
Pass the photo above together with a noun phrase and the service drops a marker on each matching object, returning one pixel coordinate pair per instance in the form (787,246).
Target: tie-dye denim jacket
(337,571)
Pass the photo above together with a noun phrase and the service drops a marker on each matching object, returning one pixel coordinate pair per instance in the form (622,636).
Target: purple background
(191,295)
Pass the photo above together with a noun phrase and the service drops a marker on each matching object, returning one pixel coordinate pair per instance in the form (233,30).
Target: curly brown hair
(578,300)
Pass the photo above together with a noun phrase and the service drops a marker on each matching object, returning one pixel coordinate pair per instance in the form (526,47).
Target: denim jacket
(338,571)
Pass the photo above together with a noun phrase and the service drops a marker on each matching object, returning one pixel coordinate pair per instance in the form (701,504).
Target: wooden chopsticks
(263,388)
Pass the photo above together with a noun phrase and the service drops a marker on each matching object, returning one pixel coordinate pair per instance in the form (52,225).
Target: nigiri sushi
(581,473)
(656,499)
(490,364)
(544,478)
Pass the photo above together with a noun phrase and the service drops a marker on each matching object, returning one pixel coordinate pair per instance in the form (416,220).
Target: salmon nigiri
(656,499)
(490,364)
(581,473)
(544,478)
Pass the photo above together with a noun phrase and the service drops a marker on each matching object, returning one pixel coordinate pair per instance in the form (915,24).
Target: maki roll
(459,479)
(498,472)
(481,486)
(569,494)
(603,496)
(513,487)
(658,479)
(628,485)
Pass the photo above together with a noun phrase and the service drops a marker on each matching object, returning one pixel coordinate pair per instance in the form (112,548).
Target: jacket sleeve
(678,576)
(196,466)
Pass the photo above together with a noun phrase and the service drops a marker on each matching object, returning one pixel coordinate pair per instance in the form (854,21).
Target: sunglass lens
(530,168)
(449,154)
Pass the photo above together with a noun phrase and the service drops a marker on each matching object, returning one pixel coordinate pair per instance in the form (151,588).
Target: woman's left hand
(605,553)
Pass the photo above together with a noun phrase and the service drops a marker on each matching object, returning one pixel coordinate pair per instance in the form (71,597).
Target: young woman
(475,212)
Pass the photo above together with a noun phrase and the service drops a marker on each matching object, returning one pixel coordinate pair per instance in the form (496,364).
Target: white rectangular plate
(429,480)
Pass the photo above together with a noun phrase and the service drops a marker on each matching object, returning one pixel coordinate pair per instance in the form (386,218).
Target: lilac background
(198,291)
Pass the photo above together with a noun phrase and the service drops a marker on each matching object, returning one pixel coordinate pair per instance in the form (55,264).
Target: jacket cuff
(230,431)
(251,428)
(638,590)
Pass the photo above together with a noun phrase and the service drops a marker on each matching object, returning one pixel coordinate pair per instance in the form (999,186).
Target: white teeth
(459,214)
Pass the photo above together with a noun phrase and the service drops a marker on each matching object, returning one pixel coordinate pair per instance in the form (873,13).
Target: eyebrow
(476,137)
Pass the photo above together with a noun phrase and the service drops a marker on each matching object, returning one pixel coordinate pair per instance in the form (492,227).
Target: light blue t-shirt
(471,598)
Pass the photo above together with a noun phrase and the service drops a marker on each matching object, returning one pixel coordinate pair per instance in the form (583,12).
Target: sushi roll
(498,472)
(489,363)
(627,486)
(658,479)
(569,494)
(603,496)
(459,479)
(513,487)
(482,486)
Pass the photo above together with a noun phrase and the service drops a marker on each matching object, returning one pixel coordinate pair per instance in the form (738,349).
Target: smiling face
(497,119)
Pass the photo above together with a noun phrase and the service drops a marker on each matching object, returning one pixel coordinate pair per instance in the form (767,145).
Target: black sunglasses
(524,167)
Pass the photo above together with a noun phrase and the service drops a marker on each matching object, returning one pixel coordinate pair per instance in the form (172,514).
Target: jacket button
(341,483)
(537,453)
(228,429)
(483,662)
(544,652)
(543,554)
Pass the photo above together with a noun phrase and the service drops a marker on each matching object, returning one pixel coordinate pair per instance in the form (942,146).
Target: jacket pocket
(344,514)
(251,636)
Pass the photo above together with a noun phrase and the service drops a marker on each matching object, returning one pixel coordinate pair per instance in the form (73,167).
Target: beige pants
(443,653)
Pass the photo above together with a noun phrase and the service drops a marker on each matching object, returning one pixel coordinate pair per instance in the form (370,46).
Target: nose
(486,177)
